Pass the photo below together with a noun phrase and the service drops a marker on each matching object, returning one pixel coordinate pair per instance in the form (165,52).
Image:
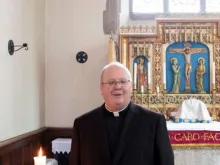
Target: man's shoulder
(90,114)
(147,112)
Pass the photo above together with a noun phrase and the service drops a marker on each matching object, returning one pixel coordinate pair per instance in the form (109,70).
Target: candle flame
(40,152)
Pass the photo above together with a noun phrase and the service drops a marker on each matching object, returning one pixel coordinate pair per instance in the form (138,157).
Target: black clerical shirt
(114,127)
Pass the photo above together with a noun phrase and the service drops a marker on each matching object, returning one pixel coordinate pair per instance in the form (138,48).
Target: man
(120,132)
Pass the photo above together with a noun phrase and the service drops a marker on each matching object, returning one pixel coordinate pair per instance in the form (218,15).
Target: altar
(197,156)
(194,135)
(195,143)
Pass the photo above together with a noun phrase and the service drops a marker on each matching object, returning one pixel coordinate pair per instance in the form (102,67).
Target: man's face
(116,95)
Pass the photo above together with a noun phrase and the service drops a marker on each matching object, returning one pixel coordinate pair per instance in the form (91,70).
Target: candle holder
(158,90)
(158,99)
(149,95)
(164,92)
(149,88)
(142,98)
(135,95)
(214,115)
(135,86)
(213,88)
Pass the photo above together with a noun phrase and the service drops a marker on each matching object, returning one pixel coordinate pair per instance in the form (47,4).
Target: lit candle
(135,74)
(142,89)
(213,73)
(149,73)
(40,160)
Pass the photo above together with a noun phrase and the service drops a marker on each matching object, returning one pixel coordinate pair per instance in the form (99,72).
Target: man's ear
(101,88)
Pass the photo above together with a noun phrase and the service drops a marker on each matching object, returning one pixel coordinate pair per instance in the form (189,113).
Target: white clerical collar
(116,114)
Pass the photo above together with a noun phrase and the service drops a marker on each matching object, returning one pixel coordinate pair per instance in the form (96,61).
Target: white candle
(213,73)
(149,73)
(40,160)
(135,74)
(158,89)
(164,73)
(142,89)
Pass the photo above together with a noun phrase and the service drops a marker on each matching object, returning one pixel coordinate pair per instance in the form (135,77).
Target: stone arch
(111,17)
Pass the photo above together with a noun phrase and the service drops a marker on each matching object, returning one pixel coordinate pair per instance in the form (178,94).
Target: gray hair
(117,64)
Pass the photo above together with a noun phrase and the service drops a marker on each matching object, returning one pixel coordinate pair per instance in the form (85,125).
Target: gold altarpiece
(152,44)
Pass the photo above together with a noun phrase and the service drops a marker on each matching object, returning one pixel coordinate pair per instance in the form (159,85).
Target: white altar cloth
(213,126)
(61,145)
(195,156)
(192,111)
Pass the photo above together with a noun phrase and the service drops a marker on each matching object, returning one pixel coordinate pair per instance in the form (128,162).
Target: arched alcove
(181,58)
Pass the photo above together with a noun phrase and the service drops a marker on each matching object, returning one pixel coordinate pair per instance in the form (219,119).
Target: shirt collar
(116,113)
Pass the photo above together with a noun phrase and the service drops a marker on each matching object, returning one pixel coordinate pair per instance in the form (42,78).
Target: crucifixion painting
(187,51)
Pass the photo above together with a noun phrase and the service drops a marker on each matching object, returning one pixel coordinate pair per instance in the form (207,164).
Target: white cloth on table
(61,145)
(192,110)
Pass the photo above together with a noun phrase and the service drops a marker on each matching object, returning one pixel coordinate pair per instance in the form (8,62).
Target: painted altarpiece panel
(180,61)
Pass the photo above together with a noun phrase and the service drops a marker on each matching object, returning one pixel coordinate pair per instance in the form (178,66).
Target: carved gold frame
(158,39)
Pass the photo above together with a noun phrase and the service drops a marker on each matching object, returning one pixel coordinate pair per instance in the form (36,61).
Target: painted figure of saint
(141,73)
(176,76)
(200,71)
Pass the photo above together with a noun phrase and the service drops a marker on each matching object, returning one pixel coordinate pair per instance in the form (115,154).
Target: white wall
(21,75)
(73,88)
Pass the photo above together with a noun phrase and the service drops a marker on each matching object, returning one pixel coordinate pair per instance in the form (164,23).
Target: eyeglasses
(121,82)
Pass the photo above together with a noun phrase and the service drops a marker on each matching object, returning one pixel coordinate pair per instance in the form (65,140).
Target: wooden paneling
(21,150)
(6,159)
(34,149)
(16,157)
(26,155)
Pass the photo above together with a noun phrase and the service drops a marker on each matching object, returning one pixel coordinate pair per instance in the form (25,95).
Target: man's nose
(117,84)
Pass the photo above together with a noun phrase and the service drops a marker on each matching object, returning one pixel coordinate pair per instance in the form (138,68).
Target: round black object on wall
(11,47)
(81,57)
